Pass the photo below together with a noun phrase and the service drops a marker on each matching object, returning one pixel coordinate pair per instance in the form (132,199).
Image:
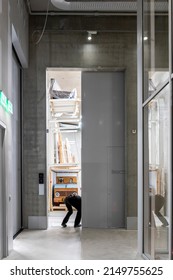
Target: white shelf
(65,168)
(64,165)
(65,108)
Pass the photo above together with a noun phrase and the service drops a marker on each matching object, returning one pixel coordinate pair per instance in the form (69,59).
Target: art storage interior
(64,136)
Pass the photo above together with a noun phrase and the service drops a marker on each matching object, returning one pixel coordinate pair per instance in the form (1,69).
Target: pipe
(29,6)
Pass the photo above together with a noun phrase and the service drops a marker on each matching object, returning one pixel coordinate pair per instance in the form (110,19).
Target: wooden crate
(66,180)
(59,194)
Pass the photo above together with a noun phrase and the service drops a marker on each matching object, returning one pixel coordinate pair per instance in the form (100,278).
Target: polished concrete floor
(57,243)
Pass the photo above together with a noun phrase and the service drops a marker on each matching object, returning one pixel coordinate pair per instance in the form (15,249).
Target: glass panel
(156,133)
(155,45)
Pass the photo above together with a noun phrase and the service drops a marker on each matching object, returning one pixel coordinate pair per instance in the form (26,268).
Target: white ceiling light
(89,36)
(90,33)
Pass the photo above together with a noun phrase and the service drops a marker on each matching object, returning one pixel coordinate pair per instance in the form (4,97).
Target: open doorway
(63,140)
(101,161)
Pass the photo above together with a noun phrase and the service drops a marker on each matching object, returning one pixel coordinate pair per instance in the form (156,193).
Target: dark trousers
(70,212)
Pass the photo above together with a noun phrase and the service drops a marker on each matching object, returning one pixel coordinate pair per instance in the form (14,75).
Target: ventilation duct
(106,6)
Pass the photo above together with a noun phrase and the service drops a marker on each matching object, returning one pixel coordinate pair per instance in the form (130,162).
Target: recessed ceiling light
(89,36)
(90,33)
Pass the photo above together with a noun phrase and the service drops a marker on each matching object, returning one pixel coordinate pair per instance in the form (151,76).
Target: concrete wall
(6,87)
(64,44)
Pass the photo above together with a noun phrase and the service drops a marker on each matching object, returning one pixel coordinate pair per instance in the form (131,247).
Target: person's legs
(75,201)
(69,213)
(78,218)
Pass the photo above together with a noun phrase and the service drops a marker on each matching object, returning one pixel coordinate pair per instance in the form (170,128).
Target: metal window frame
(141,105)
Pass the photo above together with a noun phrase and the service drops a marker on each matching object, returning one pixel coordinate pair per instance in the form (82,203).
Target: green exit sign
(5,103)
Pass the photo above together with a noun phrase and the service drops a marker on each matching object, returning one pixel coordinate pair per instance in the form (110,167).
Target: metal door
(103,168)
(2,197)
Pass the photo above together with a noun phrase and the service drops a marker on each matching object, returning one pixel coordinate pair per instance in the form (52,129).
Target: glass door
(154,93)
(156,176)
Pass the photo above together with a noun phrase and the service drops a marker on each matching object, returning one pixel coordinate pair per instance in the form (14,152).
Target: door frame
(4,193)
(82,69)
(18,64)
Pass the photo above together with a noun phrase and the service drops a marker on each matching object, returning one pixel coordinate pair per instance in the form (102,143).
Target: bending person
(73,200)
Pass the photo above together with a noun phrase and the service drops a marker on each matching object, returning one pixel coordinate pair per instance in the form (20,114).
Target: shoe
(79,225)
(63,225)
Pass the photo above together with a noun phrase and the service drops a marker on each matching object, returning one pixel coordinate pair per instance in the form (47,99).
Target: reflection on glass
(156,220)
(155,39)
